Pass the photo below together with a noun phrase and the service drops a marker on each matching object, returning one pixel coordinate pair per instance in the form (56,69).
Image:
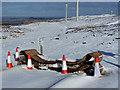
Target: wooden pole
(41,49)
(41,45)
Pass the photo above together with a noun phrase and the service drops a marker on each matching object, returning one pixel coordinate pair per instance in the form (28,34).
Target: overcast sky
(59,0)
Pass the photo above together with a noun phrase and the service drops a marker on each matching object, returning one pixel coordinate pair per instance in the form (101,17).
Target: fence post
(41,45)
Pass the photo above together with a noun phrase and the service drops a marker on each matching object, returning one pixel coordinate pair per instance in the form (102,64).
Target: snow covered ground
(98,32)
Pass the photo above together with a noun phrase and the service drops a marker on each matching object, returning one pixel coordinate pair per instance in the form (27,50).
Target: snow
(71,45)
(113,23)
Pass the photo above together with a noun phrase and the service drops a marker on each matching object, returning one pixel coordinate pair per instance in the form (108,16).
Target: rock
(33,42)
(117,38)
(56,38)
(109,43)
(84,42)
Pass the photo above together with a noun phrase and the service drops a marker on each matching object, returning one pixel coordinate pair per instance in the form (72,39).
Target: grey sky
(59,0)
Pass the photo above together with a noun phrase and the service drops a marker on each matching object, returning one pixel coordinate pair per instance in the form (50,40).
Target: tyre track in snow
(67,81)
(58,81)
(111,63)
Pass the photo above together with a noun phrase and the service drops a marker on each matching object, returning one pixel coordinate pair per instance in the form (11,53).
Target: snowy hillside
(75,40)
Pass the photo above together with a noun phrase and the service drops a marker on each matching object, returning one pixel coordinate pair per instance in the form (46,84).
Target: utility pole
(77,10)
(66,6)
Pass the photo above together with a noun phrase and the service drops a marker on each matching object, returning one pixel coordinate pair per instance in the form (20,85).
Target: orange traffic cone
(97,69)
(17,55)
(29,64)
(64,66)
(9,63)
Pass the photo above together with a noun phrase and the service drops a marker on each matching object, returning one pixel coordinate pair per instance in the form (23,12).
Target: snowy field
(75,40)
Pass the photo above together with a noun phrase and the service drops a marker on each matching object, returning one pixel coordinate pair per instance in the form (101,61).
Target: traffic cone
(97,69)
(64,66)
(9,63)
(29,64)
(17,55)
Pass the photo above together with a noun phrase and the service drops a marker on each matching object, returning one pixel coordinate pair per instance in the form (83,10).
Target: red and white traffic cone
(17,55)
(97,69)
(64,66)
(9,63)
(29,63)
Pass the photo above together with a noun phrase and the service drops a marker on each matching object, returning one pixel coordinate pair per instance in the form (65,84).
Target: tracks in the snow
(58,82)
(112,63)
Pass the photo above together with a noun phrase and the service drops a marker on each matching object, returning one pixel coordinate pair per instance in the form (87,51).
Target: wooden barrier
(83,65)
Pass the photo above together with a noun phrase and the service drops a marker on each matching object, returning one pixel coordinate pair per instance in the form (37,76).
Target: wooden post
(41,45)
(41,49)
